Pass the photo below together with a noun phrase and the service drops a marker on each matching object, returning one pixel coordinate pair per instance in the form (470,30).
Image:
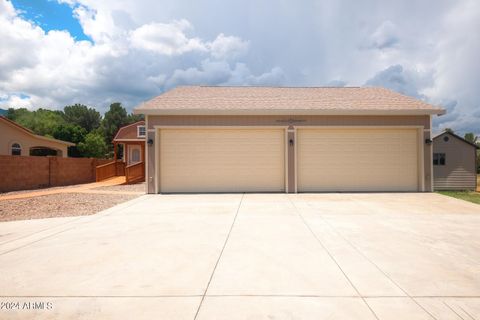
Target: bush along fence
(23,173)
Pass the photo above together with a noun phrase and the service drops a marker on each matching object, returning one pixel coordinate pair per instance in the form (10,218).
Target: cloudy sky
(58,52)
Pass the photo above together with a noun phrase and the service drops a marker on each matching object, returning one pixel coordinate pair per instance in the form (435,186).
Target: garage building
(279,139)
(454,163)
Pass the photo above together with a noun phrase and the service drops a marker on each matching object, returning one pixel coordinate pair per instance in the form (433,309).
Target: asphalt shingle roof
(342,100)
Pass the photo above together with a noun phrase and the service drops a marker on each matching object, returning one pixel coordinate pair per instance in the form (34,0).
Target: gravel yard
(59,205)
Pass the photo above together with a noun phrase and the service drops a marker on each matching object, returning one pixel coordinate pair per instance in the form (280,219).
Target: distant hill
(3,112)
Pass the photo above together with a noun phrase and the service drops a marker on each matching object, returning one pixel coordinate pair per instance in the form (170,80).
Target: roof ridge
(278,87)
(32,133)
(127,126)
(456,136)
(16,124)
(207,98)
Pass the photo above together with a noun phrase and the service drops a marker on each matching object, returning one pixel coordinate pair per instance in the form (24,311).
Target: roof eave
(129,140)
(70,144)
(30,133)
(126,126)
(455,136)
(163,112)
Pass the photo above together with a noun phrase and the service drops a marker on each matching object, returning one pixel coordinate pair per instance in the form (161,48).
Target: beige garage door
(357,160)
(222,160)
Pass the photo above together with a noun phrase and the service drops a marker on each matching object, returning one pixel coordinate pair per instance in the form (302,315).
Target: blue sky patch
(51,15)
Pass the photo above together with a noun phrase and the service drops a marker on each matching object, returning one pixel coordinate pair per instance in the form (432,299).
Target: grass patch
(464,195)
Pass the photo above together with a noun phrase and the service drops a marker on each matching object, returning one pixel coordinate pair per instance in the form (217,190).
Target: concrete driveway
(252,256)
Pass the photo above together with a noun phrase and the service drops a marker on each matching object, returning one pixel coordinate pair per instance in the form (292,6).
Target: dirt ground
(68,204)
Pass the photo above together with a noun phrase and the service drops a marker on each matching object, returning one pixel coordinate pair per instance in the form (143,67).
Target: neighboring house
(132,139)
(19,141)
(454,163)
(129,160)
(273,139)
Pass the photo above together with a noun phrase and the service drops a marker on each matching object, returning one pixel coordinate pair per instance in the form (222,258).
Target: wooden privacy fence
(23,173)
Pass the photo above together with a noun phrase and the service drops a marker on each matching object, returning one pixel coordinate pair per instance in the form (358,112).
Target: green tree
(131,118)
(72,133)
(14,114)
(449,130)
(471,137)
(42,121)
(478,155)
(114,118)
(68,132)
(93,146)
(81,115)
(478,158)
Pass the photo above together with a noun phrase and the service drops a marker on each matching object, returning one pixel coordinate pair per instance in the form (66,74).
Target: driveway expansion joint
(325,221)
(331,256)
(80,221)
(42,230)
(220,256)
(143,251)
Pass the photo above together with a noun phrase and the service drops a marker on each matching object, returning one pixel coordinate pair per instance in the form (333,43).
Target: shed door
(357,160)
(222,160)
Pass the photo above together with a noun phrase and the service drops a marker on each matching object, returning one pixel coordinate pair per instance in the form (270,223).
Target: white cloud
(7,9)
(458,67)
(166,38)
(225,47)
(140,48)
(385,36)
(222,73)
(406,81)
(16,100)
(121,64)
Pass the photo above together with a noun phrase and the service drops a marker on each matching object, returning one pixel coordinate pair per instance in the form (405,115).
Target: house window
(16,149)
(439,159)
(141,131)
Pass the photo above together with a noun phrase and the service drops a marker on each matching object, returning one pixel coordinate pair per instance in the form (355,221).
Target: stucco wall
(293,121)
(459,171)
(10,135)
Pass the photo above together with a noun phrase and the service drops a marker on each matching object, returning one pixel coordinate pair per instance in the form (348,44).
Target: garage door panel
(357,160)
(222,160)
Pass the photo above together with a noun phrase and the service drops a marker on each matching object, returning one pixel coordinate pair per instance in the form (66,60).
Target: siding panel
(459,172)
(303,120)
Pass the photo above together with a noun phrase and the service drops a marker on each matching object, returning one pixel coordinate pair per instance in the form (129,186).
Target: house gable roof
(30,132)
(129,132)
(285,100)
(16,125)
(455,136)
